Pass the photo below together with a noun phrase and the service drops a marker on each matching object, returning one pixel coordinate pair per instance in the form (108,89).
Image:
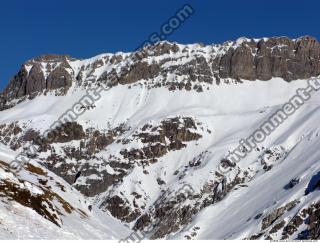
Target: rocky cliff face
(177,66)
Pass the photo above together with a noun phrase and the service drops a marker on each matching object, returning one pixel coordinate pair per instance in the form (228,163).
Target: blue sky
(86,28)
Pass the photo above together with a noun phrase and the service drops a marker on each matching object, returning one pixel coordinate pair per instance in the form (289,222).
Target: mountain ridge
(167,122)
(249,59)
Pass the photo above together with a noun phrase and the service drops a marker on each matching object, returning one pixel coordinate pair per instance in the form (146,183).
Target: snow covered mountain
(37,204)
(150,153)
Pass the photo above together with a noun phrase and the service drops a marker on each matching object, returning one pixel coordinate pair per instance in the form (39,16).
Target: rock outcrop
(48,72)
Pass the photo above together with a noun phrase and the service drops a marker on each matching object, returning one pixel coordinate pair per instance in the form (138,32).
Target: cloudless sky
(84,28)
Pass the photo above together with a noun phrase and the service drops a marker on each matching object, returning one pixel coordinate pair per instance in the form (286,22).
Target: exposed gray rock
(277,213)
(36,81)
(138,71)
(242,64)
(59,78)
(31,79)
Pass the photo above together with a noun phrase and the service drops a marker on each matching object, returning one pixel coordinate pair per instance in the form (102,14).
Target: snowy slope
(148,153)
(22,220)
(231,112)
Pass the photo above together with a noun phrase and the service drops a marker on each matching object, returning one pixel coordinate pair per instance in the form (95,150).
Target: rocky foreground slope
(37,204)
(167,121)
